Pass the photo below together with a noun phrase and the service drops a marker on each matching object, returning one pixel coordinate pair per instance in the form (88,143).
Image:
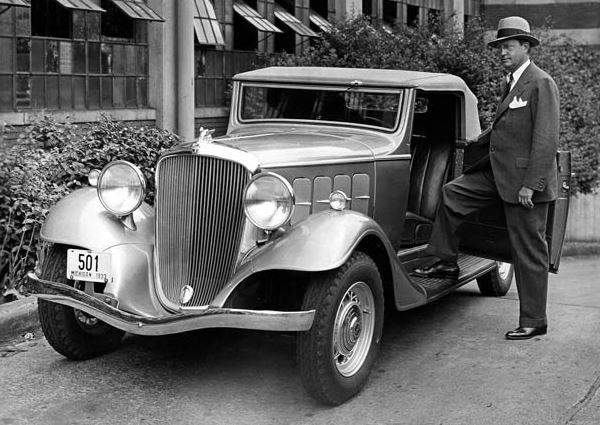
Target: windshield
(370,107)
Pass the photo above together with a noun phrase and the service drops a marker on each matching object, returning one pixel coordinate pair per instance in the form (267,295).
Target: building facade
(577,19)
(168,62)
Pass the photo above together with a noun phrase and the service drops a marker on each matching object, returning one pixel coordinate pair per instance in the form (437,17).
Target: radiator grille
(199,225)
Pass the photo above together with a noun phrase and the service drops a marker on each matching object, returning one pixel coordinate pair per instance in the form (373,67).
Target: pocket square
(517,103)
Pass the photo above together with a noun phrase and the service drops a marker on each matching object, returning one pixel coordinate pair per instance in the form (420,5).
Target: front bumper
(173,323)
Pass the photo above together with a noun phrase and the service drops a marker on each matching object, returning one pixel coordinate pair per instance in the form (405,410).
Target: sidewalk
(18,318)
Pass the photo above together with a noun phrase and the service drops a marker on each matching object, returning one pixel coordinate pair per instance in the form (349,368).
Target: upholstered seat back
(429,170)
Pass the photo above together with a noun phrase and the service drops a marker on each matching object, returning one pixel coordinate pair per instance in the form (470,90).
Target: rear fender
(80,220)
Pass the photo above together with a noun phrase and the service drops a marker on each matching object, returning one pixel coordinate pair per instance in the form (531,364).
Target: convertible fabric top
(427,81)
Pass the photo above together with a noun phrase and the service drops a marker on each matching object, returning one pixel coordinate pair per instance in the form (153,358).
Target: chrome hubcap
(353,329)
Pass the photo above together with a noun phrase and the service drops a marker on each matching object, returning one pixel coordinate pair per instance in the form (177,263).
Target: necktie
(507,87)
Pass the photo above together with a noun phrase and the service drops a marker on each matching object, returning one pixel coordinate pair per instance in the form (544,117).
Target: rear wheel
(336,355)
(496,283)
(72,332)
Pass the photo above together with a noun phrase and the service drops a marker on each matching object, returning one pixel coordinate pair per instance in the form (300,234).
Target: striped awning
(429,4)
(137,9)
(88,5)
(254,18)
(14,3)
(206,24)
(294,23)
(323,24)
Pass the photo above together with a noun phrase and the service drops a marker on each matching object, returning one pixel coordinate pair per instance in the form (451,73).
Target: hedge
(51,159)
(358,44)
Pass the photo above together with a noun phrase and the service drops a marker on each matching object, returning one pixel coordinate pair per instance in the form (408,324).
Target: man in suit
(519,171)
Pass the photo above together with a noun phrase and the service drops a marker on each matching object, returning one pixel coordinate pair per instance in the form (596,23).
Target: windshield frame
(399,91)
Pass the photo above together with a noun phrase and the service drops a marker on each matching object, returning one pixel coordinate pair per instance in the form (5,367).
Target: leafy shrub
(50,160)
(357,44)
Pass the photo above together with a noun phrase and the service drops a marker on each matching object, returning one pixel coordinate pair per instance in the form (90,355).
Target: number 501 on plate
(88,266)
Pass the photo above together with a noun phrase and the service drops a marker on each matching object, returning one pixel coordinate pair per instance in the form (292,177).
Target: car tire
(336,355)
(71,332)
(496,283)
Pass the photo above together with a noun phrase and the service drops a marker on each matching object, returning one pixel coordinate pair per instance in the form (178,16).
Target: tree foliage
(50,160)
(358,44)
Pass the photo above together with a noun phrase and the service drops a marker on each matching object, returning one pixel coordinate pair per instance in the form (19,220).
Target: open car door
(486,235)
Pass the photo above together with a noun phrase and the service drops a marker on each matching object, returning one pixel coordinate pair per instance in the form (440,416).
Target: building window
(58,26)
(390,11)
(434,21)
(214,69)
(320,7)
(292,26)
(88,56)
(249,26)
(367,7)
(412,15)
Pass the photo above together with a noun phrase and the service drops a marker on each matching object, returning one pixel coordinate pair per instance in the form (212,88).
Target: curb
(18,318)
(571,249)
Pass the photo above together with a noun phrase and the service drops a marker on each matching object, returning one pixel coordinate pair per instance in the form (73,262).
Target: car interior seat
(432,151)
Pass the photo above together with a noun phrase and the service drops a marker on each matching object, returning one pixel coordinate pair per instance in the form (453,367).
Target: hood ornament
(204,137)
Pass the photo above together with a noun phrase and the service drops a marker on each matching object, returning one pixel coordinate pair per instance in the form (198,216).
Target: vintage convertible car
(307,216)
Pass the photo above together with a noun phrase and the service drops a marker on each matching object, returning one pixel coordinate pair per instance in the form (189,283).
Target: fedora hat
(513,27)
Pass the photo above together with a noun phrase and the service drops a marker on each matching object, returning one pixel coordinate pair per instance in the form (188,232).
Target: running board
(470,268)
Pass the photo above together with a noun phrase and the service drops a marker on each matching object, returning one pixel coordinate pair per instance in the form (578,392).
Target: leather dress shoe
(438,270)
(526,333)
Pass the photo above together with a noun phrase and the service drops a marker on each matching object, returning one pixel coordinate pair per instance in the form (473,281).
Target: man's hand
(525,195)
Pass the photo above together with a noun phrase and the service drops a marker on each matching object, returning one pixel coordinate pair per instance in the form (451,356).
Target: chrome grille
(199,225)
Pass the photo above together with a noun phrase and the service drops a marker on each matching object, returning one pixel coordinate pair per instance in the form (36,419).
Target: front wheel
(71,332)
(336,355)
(496,283)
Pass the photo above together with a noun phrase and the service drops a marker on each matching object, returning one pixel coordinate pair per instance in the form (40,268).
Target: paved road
(446,363)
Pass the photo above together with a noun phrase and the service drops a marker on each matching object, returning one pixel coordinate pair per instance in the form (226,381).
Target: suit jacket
(524,138)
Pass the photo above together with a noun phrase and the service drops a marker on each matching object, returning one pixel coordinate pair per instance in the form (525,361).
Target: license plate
(88,266)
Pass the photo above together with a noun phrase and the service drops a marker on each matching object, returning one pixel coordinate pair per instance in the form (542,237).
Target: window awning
(320,22)
(428,4)
(14,3)
(137,9)
(254,18)
(206,24)
(88,5)
(294,23)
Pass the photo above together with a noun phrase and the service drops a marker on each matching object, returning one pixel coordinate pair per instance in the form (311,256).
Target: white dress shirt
(517,73)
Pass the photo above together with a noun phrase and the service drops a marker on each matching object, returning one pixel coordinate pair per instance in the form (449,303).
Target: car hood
(278,147)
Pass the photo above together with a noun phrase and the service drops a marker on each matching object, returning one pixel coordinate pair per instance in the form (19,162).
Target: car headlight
(121,188)
(268,201)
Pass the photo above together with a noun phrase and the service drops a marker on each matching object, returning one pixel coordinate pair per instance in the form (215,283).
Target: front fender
(322,241)
(80,220)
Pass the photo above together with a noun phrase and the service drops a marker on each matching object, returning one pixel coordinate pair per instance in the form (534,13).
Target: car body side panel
(332,176)
(391,196)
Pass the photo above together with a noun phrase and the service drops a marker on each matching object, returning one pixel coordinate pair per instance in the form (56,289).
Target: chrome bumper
(174,323)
